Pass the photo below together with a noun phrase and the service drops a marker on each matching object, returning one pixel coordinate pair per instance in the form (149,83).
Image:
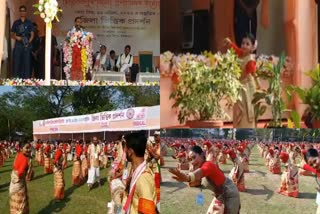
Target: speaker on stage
(195,31)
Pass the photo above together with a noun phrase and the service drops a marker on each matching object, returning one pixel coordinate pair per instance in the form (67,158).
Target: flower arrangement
(166,65)
(39,82)
(78,52)
(202,81)
(47,9)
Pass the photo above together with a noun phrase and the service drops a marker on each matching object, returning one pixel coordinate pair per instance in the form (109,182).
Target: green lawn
(40,190)
(261,196)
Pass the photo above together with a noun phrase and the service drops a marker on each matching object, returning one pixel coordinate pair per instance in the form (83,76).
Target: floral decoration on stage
(78,52)
(39,82)
(48,10)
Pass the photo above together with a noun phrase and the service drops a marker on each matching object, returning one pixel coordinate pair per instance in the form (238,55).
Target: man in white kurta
(94,151)
(125,60)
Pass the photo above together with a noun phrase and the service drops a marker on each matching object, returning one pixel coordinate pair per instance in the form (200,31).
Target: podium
(78,52)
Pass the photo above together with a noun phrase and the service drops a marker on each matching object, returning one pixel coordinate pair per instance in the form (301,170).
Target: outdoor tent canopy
(131,119)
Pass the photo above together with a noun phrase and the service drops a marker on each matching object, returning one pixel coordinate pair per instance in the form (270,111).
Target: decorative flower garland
(47,9)
(78,52)
(84,59)
(39,82)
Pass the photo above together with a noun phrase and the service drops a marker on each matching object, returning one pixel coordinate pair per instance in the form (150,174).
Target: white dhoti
(93,175)
(125,68)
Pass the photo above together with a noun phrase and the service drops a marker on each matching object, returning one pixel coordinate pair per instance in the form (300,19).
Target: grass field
(40,190)
(260,197)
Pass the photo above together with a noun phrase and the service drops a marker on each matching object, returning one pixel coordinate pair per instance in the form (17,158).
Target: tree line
(22,105)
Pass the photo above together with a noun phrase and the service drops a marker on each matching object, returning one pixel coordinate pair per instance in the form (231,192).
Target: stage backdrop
(115,23)
(139,118)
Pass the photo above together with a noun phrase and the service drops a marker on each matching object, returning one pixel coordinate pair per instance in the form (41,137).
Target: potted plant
(310,96)
(202,81)
(271,96)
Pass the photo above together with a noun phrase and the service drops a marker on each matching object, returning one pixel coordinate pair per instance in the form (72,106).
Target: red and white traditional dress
(222,158)
(183,162)
(77,178)
(237,173)
(275,165)
(18,193)
(84,162)
(47,159)
(289,178)
(105,156)
(59,183)
(39,154)
(226,196)
(1,156)
(243,111)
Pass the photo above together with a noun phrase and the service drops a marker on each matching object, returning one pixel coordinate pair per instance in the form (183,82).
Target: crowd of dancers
(132,162)
(202,159)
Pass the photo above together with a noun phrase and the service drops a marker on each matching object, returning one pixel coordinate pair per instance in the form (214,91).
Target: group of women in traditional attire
(292,156)
(6,150)
(53,157)
(300,159)
(290,160)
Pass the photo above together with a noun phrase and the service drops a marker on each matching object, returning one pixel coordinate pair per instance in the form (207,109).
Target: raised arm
(232,45)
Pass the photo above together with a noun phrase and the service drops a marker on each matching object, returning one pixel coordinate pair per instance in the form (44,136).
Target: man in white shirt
(101,60)
(94,151)
(125,60)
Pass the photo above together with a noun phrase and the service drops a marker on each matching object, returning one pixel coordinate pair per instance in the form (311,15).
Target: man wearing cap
(22,32)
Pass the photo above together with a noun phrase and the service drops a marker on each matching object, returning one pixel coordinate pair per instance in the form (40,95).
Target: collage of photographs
(160,106)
